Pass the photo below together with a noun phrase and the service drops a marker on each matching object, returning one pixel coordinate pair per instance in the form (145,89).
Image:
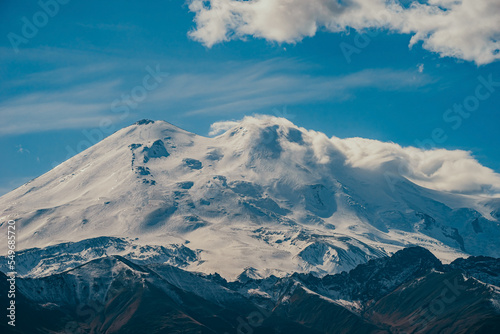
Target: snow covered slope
(266,197)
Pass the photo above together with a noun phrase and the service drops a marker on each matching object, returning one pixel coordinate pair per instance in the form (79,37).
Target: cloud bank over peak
(454,171)
(438,169)
(464,29)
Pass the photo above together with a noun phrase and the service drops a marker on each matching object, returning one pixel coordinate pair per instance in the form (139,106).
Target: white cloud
(220,127)
(438,169)
(464,29)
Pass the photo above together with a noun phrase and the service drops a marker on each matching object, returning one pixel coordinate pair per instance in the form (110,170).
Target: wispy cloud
(81,93)
(53,97)
(76,107)
(64,75)
(264,85)
(221,127)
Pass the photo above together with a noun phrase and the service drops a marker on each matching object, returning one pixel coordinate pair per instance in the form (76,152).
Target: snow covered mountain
(410,292)
(264,198)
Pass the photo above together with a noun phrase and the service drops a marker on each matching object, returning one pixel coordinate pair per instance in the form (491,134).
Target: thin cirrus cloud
(83,105)
(463,29)
(77,96)
(262,86)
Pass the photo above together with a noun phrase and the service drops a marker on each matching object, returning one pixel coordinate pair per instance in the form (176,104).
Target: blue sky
(81,66)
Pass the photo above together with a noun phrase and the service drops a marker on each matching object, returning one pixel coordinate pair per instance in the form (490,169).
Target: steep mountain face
(266,197)
(410,292)
(455,305)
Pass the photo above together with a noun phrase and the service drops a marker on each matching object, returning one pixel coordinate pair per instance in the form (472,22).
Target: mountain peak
(263,137)
(144,122)
(265,187)
(255,125)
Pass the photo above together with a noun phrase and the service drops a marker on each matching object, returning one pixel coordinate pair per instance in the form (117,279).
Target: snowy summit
(264,197)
